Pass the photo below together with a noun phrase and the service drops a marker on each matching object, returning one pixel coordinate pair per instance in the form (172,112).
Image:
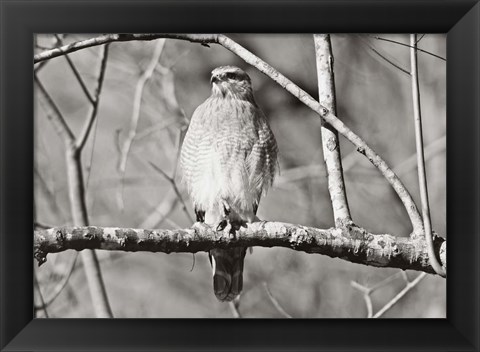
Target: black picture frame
(21,19)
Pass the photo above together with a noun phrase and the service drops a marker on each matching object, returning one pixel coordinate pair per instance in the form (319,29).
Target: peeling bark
(350,242)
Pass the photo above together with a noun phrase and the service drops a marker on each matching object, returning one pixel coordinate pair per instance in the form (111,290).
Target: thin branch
(330,143)
(418,40)
(110,38)
(155,128)
(315,170)
(275,303)
(422,178)
(40,66)
(386,281)
(383,56)
(412,45)
(175,189)
(161,211)
(76,73)
(430,151)
(137,101)
(402,293)
(367,291)
(60,286)
(284,82)
(234,305)
(76,193)
(82,138)
(54,115)
(351,243)
(42,300)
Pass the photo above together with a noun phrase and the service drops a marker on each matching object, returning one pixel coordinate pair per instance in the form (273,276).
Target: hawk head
(231,82)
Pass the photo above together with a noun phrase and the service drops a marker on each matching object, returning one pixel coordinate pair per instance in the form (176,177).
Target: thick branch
(351,243)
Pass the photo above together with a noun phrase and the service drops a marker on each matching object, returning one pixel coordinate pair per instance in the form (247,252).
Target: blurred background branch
(76,187)
(367,292)
(137,101)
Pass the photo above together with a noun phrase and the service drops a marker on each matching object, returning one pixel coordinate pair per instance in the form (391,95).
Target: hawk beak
(214,79)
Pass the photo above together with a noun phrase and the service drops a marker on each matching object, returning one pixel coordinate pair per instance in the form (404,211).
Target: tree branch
(397,297)
(350,243)
(76,73)
(137,102)
(76,193)
(330,142)
(92,114)
(283,81)
(411,46)
(422,176)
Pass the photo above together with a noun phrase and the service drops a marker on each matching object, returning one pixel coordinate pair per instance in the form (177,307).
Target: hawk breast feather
(229,152)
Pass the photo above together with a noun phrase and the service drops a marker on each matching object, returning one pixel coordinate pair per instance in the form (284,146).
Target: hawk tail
(227,265)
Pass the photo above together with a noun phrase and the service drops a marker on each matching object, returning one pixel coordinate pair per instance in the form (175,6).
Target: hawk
(229,159)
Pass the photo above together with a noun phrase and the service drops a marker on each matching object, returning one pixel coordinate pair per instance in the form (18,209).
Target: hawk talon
(233,232)
(200,215)
(221,225)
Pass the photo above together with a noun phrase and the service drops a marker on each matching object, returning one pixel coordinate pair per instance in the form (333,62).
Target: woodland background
(373,98)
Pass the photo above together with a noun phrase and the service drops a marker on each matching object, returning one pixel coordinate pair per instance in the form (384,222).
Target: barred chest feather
(229,153)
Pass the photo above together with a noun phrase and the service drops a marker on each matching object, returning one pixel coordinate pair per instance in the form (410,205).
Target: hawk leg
(226,212)
(200,214)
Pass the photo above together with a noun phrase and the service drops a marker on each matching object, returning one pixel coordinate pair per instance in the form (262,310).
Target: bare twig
(155,128)
(418,40)
(330,143)
(275,303)
(82,138)
(54,115)
(60,286)
(76,73)
(383,56)
(412,45)
(350,243)
(366,296)
(402,293)
(314,170)
(234,306)
(422,178)
(430,151)
(283,81)
(175,189)
(42,300)
(76,193)
(161,211)
(137,102)
(367,291)
(387,280)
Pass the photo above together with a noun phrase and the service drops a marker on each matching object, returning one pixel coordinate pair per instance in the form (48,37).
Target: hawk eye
(231,75)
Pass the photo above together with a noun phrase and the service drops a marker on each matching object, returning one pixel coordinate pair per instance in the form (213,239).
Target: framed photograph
(288,182)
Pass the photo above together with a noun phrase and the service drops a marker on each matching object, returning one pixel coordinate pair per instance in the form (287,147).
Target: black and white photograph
(240,175)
